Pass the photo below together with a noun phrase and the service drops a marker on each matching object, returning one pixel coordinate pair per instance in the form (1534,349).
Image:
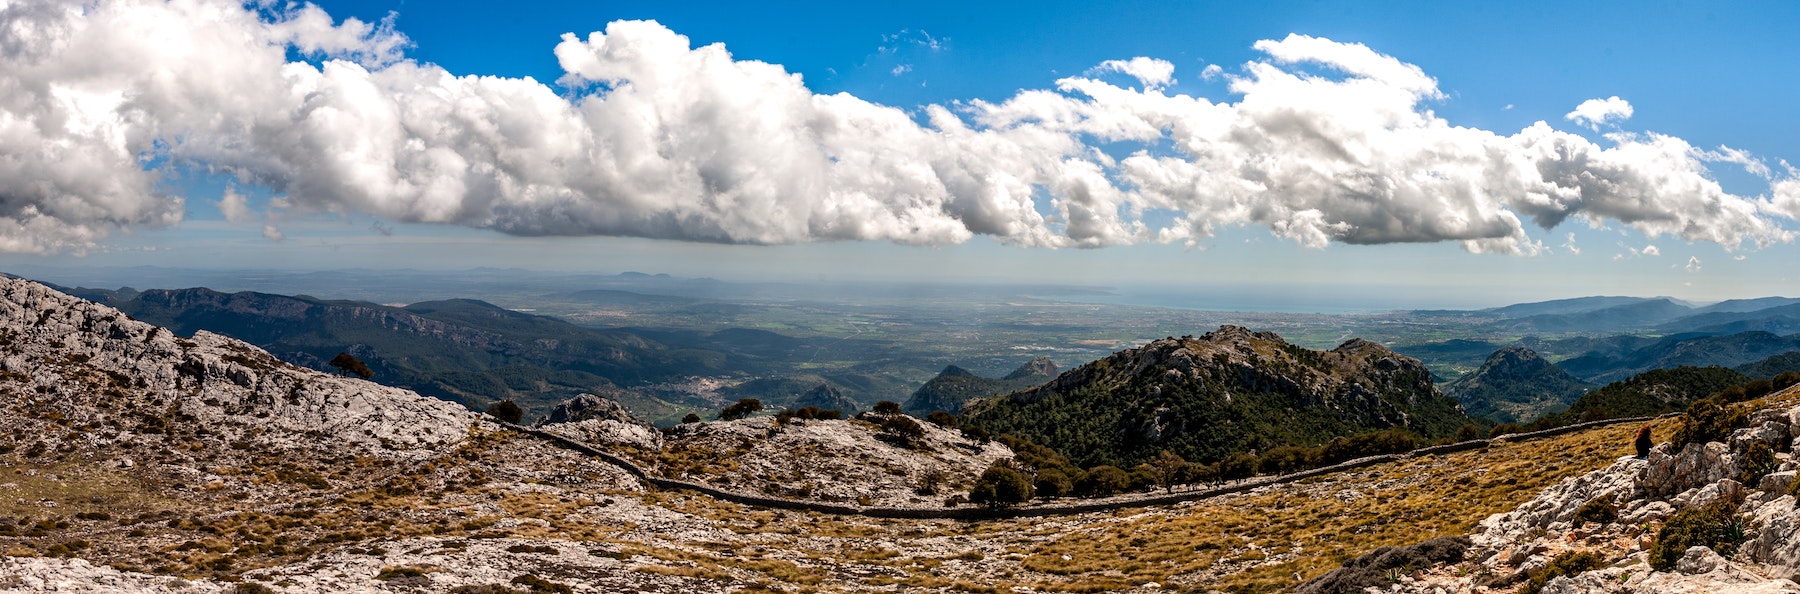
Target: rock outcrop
(82,359)
(1512,547)
(955,387)
(600,420)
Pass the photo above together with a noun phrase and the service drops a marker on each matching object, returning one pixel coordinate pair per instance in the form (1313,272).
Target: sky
(1454,155)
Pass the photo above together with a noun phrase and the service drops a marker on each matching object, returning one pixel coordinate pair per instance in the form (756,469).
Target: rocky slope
(1746,481)
(1515,385)
(826,397)
(955,387)
(1231,390)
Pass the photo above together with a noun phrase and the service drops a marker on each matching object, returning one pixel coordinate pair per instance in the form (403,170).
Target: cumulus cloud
(1693,264)
(234,206)
(1570,245)
(1594,112)
(1154,74)
(646,135)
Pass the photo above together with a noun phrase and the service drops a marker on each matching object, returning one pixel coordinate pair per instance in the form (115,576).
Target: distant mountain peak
(1041,367)
(1515,384)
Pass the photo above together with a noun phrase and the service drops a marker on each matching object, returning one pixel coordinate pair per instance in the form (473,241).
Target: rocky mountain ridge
(1230,390)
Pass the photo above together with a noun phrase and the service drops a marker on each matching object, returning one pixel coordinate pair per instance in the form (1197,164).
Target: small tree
(1103,480)
(1001,486)
(347,364)
(507,410)
(1169,466)
(887,407)
(743,408)
(1237,466)
(690,418)
(942,419)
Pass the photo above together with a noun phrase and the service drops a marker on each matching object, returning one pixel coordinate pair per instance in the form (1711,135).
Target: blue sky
(1442,213)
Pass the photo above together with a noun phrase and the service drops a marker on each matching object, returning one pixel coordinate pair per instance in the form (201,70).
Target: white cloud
(1594,112)
(1693,264)
(1212,72)
(649,136)
(1570,245)
(901,69)
(1154,74)
(234,206)
(1650,250)
(272,233)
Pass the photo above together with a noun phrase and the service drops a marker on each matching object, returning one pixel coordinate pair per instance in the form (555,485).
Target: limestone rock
(584,407)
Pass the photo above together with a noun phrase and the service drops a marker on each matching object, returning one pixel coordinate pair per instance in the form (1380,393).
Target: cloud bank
(647,136)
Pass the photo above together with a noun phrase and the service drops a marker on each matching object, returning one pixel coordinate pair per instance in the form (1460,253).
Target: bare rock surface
(862,461)
(1512,547)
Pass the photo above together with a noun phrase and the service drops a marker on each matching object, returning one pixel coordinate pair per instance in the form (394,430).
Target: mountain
(1515,385)
(1562,306)
(1749,305)
(1680,350)
(1628,316)
(826,397)
(1772,366)
(1231,390)
(1778,319)
(953,388)
(462,350)
(1653,392)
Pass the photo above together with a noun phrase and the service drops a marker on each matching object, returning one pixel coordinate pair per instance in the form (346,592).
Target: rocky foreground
(1708,517)
(133,460)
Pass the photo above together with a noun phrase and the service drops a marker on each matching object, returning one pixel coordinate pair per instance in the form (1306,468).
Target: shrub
(399,573)
(1051,482)
(1758,389)
(1599,510)
(887,407)
(744,408)
(1468,432)
(1283,460)
(1001,486)
(1707,420)
(1102,481)
(1716,526)
(1759,461)
(507,410)
(975,433)
(1570,563)
(942,419)
(690,418)
(903,426)
(1237,466)
(1785,380)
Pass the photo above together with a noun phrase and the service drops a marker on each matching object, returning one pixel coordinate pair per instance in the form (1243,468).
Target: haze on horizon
(1443,155)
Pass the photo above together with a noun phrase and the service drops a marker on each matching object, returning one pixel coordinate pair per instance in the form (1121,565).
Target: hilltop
(1230,390)
(1515,385)
(955,387)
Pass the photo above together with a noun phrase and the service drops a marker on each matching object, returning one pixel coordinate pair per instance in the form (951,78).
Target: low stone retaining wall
(1053,509)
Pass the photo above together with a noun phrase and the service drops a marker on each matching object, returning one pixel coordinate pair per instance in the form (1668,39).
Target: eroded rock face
(80,357)
(1511,546)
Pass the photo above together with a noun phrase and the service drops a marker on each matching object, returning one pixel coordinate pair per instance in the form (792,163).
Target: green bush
(1468,432)
(1505,429)
(887,407)
(1570,563)
(507,410)
(942,419)
(1759,461)
(1102,481)
(1053,483)
(690,418)
(1785,380)
(1707,420)
(1599,510)
(1001,486)
(1716,526)
(743,408)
